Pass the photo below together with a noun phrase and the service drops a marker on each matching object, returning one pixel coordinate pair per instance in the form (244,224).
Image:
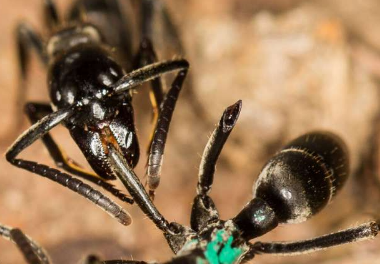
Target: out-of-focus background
(297,65)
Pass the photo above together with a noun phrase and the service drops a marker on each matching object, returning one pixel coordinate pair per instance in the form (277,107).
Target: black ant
(295,184)
(91,75)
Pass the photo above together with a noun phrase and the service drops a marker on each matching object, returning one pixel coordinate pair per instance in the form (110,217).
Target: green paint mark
(219,252)
(213,248)
(229,254)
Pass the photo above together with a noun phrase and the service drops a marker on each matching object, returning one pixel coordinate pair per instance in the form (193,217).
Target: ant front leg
(121,167)
(150,11)
(36,111)
(204,210)
(145,74)
(38,130)
(160,134)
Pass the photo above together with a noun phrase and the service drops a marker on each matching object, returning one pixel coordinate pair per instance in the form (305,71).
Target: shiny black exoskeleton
(84,75)
(302,178)
(92,70)
(293,186)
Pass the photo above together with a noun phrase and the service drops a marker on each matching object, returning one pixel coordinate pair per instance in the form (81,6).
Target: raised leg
(363,232)
(32,252)
(37,131)
(36,111)
(204,210)
(159,138)
(214,146)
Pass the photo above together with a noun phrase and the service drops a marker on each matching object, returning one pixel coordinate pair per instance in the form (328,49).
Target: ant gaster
(295,184)
(91,75)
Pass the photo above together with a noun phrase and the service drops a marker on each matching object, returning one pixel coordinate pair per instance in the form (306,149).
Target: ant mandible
(91,75)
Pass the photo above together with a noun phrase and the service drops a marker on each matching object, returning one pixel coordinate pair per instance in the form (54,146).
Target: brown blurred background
(297,65)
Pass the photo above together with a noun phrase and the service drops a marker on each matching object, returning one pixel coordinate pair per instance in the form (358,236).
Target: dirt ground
(297,65)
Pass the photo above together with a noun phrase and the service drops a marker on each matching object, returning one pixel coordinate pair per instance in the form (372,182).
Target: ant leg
(363,232)
(146,55)
(204,210)
(147,73)
(214,147)
(35,111)
(148,10)
(32,252)
(37,131)
(153,13)
(51,16)
(27,39)
(160,134)
(24,246)
(129,179)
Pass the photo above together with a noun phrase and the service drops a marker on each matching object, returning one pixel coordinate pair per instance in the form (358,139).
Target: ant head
(84,77)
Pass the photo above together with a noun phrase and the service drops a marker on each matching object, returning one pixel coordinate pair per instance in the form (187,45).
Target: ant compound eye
(304,176)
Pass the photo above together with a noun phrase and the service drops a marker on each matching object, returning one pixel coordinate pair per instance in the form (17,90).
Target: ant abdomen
(304,176)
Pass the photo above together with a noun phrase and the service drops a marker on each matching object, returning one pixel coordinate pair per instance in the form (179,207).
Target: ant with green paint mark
(294,185)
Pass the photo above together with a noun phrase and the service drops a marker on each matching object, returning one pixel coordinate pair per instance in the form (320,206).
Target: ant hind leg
(359,233)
